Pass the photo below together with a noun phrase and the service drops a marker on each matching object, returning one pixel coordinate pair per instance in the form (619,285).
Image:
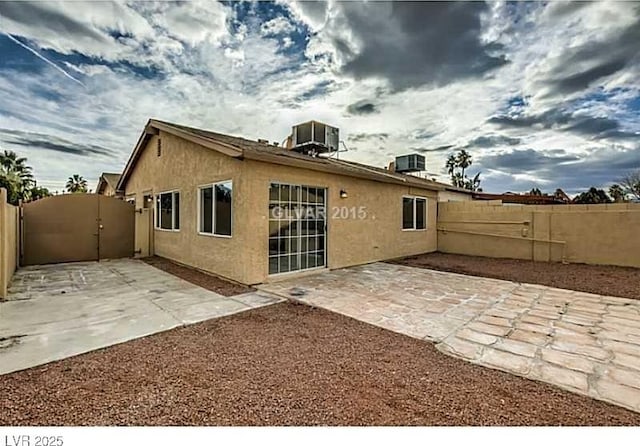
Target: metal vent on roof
(315,137)
(410,163)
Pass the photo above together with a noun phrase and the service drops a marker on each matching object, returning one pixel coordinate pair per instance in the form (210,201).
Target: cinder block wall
(604,234)
(9,239)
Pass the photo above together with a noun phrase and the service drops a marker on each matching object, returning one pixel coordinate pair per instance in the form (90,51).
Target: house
(107,184)
(251,211)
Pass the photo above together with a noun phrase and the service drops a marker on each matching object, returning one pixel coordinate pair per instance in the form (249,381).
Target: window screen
(168,210)
(407,213)
(414,213)
(216,208)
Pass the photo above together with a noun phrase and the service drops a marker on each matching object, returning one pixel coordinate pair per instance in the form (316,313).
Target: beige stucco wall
(9,238)
(184,166)
(446,195)
(595,234)
(349,241)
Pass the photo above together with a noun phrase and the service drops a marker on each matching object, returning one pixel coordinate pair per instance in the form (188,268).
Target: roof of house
(111,179)
(242,148)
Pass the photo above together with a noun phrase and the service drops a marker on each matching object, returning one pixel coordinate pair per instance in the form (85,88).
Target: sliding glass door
(297,227)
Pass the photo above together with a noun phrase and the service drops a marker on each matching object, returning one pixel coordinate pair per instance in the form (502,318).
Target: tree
(592,196)
(631,184)
(11,182)
(15,176)
(456,166)
(473,184)
(451,164)
(37,192)
(464,160)
(617,193)
(535,191)
(76,184)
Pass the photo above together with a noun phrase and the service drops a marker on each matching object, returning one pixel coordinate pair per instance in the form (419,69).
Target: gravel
(200,278)
(597,279)
(286,364)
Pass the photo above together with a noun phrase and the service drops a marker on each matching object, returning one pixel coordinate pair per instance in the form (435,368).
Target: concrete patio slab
(585,343)
(57,311)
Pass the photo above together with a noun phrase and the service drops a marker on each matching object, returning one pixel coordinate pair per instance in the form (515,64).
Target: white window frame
(213,209)
(173,210)
(415,214)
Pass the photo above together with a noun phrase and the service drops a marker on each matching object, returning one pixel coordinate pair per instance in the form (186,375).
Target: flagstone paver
(585,343)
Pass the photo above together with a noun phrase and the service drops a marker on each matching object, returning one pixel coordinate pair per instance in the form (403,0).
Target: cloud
(513,161)
(597,166)
(411,44)
(394,77)
(357,137)
(600,47)
(491,140)
(362,107)
(593,127)
(444,148)
(50,142)
(312,13)
(277,26)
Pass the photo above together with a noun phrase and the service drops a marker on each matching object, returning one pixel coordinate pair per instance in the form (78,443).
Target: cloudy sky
(543,94)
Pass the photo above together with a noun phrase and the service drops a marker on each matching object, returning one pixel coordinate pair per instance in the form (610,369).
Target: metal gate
(76,227)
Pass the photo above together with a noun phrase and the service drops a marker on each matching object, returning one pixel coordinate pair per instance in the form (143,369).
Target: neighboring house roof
(510,197)
(242,148)
(110,179)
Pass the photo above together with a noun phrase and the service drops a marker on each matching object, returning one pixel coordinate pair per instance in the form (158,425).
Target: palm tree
(11,182)
(76,184)
(464,160)
(15,176)
(451,164)
(617,193)
(474,184)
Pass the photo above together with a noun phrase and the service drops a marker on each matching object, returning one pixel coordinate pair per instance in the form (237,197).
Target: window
(216,209)
(168,211)
(159,147)
(414,213)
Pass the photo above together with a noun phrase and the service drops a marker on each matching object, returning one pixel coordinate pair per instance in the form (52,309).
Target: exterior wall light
(343,193)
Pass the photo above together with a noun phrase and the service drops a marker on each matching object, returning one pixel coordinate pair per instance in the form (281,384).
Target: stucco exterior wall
(350,241)
(9,242)
(184,166)
(446,195)
(594,234)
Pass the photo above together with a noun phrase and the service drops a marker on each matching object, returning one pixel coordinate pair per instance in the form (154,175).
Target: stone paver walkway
(57,311)
(585,343)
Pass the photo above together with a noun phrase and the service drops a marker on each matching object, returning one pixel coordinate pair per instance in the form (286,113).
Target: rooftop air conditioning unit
(410,163)
(315,137)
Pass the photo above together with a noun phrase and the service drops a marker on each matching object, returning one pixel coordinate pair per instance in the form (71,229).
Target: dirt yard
(207,281)
(286,364)
(607,280)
